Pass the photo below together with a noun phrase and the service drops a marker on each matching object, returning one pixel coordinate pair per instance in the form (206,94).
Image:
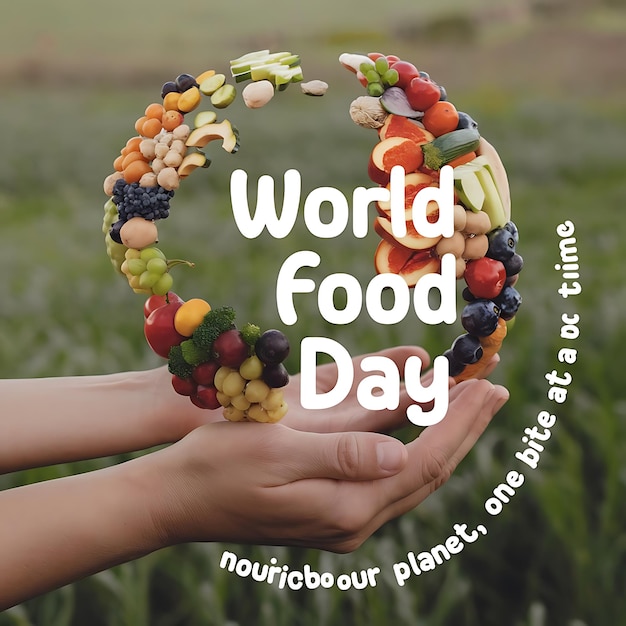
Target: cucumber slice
(493,204)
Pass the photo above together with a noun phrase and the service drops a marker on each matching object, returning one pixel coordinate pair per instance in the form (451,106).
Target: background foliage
(545,81)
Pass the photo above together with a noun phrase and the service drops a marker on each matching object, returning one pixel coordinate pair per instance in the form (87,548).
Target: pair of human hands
(325,479)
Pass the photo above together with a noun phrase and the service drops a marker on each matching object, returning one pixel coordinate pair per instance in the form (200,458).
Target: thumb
(348,456)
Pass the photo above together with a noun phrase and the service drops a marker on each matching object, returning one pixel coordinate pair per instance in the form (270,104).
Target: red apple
(159,329)
(422,93)
(154,302)
(406,72)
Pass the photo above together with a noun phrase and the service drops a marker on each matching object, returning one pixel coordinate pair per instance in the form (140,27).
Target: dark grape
(480,317)
(468,296)
(444,94)
(272,347)
(467,349)
(275,375)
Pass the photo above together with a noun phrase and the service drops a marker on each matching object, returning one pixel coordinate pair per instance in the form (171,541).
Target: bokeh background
(545,80)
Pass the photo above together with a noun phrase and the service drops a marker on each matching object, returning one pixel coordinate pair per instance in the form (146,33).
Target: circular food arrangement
(241,369)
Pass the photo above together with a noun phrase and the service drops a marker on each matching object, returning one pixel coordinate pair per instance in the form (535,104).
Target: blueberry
(456,367)
(425,75)
(480,317)
(465,121)
(468,296)
(467,349)
(512,228)
(501,244)
(443,93)
(185,81)
(509,301)
(514,265)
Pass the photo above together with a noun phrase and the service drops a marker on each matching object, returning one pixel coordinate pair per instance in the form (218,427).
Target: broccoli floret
(250,333)
(215,322)
(177,365)
(193,354)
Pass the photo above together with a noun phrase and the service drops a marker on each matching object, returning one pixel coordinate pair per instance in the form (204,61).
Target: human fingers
(435,455)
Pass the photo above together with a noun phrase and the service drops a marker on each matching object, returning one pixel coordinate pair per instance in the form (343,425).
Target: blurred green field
(548,92)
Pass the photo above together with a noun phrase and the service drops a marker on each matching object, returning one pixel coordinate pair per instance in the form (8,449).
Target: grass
(557,552)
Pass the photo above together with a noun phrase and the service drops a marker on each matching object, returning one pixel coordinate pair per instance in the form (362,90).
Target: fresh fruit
(189,316)
(485,277)
(406,73)
(275,375)
(156,301)
(138,233)
(230,348)
(399,126)
(223,130)
(397,151)
(411,265)
(160,331)
(184,82)
(272,347)
(441,118)
(412,240)
(422,93)
(468,187)
(480,317)
(501,244)
(204,373)
(413,183)
(184,386)
(205,397)
(514,265)
(467,349)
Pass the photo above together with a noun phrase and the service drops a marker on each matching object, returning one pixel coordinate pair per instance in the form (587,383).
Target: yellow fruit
(190,315)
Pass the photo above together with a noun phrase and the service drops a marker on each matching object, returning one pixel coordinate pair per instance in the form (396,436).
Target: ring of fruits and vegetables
(217,364)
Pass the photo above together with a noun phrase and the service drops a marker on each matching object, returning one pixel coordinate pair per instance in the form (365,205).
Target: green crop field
(545,82)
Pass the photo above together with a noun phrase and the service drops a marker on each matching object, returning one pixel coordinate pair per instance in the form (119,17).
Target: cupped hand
(271,484)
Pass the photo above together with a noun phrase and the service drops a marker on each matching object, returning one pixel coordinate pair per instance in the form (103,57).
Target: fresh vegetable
(443,149)
(215,322)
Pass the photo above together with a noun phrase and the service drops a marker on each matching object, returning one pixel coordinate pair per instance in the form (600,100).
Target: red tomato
(392,58)
(154,302)
(159,329)
(406,72)
(375,55)
(485,277)
(422,93)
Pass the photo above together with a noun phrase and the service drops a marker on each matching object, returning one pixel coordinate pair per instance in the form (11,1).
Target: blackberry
(132,200)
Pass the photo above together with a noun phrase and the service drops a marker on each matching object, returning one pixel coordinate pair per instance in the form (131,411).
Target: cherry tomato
(485,277)
(422,93)
(406,72)
(159,329)
(392,58)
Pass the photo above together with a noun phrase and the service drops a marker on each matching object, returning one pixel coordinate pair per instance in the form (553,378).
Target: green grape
(157,266)
(132,253)
(136,266)
(375,90)
(382,65)
(148,279)
(390,77)
(151,253)
(364,68)
(372,77)
(115,252)
(163,285)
